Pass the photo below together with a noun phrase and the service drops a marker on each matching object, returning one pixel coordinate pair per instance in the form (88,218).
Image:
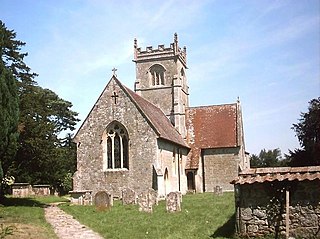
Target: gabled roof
(209,127)
(156,118)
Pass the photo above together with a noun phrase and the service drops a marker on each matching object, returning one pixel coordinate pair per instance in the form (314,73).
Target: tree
(308,132)
(42,155)
(267,158)
(9,106)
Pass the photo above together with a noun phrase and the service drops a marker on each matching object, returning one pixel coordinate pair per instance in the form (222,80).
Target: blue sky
(265,52)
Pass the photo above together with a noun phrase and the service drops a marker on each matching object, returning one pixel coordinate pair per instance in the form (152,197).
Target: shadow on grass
(24,202)
(227,229)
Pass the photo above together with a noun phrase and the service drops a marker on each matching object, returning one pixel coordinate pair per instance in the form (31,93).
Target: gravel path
(66,227)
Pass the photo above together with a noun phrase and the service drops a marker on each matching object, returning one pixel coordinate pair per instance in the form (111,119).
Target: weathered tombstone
(153,196)
(147,199)
(128,196)
(217,190)
(103,200)
(87,199)
(173,202)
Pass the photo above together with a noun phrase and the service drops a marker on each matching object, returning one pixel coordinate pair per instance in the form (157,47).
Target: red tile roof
(211,127)
(260,175)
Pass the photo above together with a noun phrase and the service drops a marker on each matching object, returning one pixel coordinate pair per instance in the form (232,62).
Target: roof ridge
(206,106)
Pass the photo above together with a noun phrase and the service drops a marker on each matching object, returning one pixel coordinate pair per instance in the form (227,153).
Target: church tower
(161,79)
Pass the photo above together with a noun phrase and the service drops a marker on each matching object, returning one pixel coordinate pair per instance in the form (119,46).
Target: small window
(182,73)
(157,75)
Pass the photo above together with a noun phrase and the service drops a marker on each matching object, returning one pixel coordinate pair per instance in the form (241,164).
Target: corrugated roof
(157,118)
(260,175)
(208,127)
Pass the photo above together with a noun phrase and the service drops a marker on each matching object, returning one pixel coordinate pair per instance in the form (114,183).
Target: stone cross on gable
(115,96)
(114,71)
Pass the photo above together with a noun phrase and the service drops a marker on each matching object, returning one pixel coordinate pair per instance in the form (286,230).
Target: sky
(265,52)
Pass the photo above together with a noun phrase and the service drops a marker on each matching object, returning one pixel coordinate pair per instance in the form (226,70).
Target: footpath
(66,227)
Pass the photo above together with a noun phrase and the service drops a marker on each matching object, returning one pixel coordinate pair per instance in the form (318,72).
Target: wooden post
(287,212)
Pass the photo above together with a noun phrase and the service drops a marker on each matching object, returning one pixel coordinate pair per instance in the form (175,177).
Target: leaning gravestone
(173,202)
(103,200)
(128,196)
(146,200)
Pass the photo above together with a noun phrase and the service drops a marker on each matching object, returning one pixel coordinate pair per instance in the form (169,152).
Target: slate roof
(210,127)
(156,117)
(261,175)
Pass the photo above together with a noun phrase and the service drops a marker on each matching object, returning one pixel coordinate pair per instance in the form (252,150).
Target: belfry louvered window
(157,75)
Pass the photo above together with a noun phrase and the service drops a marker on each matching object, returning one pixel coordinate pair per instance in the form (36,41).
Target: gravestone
(147,199)
(103,200)
(173,202)
(153,196)
(87,199)
(218,190)
(128,196)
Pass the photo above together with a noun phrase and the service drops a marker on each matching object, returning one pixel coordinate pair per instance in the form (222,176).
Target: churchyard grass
(202,216)
(24,217)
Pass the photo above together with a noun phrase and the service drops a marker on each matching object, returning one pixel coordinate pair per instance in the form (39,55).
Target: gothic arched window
(157,75)
(115,147)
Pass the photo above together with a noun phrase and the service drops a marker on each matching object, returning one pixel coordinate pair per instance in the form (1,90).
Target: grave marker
(128,196)
(103,200)
(173,202)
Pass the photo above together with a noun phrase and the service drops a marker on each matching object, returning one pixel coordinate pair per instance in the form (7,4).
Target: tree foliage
(9,108)
(43,156)
(267,158)
(308,132)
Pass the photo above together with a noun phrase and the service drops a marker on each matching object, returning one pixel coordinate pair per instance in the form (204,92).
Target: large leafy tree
(267,158)
(308,132)
(9,106)
(43,156)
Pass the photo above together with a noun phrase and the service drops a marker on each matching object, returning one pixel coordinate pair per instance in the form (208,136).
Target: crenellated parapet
(161,52)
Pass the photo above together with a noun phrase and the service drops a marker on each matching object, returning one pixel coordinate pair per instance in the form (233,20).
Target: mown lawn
(202,216)
(25,217)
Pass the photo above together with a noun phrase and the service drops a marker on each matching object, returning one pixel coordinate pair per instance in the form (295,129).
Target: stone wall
(27,190)
(142,146)
(172,97)
(220,167)
(260,208)
(173,158)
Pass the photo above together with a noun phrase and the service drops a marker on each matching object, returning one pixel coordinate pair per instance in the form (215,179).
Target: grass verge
(25,216)
(202,216)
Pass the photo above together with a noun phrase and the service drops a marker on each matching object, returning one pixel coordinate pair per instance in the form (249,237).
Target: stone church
(152,138)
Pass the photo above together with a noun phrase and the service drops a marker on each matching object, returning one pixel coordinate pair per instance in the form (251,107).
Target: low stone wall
(27,190)
(261,208)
